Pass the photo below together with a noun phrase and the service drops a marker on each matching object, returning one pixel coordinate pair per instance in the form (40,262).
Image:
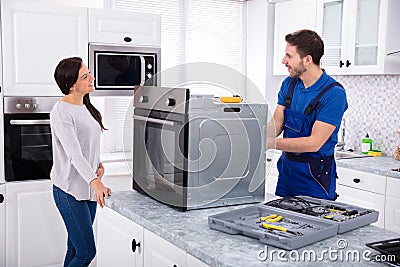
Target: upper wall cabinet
(358,35)
(291,16)
(124,27)
(35,38)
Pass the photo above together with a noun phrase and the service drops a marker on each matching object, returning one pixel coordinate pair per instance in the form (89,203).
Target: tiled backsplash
(374,108)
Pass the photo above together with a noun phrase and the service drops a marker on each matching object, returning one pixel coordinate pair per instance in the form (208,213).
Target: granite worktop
(190,231)
(378,165)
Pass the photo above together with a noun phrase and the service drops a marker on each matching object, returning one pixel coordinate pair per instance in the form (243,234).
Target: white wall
(260,51)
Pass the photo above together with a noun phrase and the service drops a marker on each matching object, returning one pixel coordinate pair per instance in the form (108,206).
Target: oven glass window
(160,158)
(28,148)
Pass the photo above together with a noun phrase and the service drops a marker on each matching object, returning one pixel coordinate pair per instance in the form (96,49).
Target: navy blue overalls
(304,174)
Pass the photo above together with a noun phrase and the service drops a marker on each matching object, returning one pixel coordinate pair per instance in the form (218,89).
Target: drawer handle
(1,198)
(356,180)
(135,245)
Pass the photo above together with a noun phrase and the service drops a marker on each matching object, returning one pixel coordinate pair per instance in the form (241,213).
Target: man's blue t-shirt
(333,105)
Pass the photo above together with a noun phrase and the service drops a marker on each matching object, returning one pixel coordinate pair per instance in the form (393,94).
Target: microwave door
(142,70)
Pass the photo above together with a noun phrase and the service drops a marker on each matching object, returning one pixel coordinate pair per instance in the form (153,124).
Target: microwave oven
(119,69)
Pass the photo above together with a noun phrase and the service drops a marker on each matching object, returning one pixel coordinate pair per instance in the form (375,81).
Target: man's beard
(298,71)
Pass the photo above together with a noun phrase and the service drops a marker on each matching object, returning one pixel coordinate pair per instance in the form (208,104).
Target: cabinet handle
(348,63)
(128,39)
(356,180)
(135,245)
(341,64)
(1,198)
(175,265)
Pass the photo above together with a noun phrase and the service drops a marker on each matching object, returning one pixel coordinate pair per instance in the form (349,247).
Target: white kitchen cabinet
(35,234)
(194,262)
(160,252)
(272,171)
(392,205)
(119,240)
(357,35)
(291,16)
(124,28)
(2,225)
(363,189)
(35,38)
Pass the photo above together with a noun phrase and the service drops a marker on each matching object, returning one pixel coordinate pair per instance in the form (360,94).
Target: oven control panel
(29,104)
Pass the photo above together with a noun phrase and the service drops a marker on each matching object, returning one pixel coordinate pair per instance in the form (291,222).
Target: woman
(76,174)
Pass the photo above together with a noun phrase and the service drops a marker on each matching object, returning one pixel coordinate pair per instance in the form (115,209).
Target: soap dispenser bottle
(366,144)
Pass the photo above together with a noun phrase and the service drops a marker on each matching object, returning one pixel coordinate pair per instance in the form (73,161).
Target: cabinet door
(363,199)
(36,235)
(2,225)
(119,240)
(194,262)
(35,38)
(124,27)
(290,16)
(392,205)
(331,25)
(159,252)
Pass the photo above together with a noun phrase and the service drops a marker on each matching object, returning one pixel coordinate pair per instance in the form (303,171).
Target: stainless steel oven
(27,138)
(119,69)
(195,152)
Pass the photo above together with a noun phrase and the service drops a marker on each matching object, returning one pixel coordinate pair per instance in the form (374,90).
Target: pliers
(272,218)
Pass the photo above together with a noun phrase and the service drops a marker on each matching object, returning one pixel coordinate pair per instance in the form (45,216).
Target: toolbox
(348,217)
(273,226)
(293,222)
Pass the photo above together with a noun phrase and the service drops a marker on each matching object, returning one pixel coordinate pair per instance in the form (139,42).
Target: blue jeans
(78,218)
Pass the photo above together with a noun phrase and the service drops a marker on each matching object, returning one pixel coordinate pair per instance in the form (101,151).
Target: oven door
(27,147)
(160,152)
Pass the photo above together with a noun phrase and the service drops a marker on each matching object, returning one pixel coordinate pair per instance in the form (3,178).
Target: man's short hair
(307,42)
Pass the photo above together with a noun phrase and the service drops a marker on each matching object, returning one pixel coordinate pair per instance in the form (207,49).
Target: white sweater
(76,149)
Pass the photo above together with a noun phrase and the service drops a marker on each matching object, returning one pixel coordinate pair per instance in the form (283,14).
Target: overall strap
(289,94)
(315,102)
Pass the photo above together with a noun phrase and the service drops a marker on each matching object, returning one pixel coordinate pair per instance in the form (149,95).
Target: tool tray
(348,217)
(295,230)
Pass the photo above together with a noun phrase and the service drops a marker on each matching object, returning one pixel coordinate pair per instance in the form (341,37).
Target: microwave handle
(158,121)
(142,71)
(29,122)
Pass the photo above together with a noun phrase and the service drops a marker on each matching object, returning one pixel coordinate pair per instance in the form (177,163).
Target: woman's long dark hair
(66,75)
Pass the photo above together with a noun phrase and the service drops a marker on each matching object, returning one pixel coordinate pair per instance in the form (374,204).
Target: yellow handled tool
(274,227)
(272,218)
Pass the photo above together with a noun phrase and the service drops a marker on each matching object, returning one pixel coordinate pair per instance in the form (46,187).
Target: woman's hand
(100,191)
(100,171)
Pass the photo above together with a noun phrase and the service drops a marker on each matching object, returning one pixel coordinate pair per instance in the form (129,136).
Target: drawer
(393,187)
(363,199)
(362,180)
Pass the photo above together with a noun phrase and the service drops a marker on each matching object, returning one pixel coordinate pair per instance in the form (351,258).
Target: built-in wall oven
(119,69)
(195,152)
(27,138)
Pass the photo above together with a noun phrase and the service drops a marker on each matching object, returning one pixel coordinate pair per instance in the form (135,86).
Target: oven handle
(29,122)
(158,121)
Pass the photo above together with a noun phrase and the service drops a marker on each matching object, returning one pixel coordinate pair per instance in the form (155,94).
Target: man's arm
(320,133)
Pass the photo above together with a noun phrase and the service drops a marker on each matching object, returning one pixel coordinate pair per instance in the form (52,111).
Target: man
(309,111)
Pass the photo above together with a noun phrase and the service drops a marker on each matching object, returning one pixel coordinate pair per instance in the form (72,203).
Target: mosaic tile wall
(374,108)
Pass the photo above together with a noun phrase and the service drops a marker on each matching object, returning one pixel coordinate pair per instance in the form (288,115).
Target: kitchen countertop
(190,231)
(378,165)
